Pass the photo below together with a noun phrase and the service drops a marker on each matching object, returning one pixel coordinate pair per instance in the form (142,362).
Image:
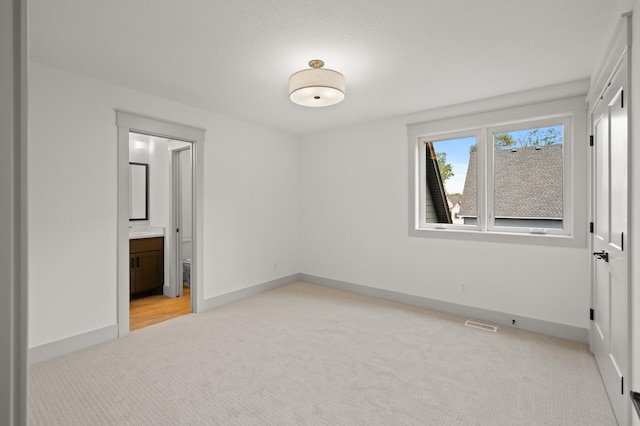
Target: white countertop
(137,232)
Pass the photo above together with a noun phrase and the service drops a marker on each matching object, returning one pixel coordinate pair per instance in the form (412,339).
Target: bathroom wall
(139,149)
(185,180)
(138,153)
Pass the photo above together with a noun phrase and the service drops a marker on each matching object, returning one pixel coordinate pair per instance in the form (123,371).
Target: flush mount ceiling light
(316,86)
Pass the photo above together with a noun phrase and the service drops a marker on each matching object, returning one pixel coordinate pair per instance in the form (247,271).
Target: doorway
(193,138)
(160,229)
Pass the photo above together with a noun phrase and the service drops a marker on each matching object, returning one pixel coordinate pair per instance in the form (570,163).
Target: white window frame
(568,111)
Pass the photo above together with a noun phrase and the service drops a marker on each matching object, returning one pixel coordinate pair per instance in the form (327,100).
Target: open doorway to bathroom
(156,130)
(160,229)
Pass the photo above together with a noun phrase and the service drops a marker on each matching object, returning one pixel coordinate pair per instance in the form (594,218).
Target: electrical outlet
(464,287)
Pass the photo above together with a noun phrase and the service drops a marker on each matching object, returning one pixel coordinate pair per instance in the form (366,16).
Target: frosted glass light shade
(316,87)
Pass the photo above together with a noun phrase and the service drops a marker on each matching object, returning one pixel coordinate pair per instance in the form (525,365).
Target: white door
(609,337)
(176,259)
(182,215)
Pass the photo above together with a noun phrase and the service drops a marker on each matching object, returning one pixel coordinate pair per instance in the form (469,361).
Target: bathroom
(160,201)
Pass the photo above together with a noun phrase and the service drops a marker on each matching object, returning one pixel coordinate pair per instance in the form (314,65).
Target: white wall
(251,200)
(355,229)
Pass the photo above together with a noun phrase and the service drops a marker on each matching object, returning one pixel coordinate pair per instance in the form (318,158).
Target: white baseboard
(81,341)
(85,340)
(564,331)
(236,295)
(72,344)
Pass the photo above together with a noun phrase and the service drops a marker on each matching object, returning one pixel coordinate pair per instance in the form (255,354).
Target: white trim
(13,213)
(549,328)
(131,122)
(524,217)
(174,247)
(510,100)
(174,243)
(236,295)
(85,340)
(71,344)
(618,45)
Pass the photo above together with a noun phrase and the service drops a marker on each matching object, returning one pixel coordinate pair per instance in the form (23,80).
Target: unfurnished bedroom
(321,213)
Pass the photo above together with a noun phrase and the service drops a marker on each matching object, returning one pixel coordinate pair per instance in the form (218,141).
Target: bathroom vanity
(146,263)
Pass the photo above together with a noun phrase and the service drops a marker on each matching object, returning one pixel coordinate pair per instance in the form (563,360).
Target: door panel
(602,294)
(618,320)
(601,175)
(618,173)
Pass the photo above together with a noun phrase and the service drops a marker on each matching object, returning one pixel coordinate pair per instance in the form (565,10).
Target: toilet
(186,272)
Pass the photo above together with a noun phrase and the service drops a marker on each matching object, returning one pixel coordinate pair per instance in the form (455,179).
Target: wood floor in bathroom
(151,310)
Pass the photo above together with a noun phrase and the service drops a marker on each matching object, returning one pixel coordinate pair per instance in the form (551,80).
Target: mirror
(138,191)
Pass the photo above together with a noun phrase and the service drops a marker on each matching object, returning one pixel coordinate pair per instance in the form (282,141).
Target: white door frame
(131,122)
(614,57)
(13,213)
(175,219)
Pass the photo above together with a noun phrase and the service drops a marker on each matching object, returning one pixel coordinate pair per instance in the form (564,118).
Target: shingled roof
(528,183)
(454,199)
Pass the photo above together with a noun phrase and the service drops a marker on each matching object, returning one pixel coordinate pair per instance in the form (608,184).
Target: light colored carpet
(303,354)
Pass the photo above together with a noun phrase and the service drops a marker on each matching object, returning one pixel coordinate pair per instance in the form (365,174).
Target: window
(509,176)
(445,161)
(527,176)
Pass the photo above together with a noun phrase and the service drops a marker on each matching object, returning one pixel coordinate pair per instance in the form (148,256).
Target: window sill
(553,240)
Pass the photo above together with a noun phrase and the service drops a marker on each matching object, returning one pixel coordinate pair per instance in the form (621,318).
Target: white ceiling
(234,57)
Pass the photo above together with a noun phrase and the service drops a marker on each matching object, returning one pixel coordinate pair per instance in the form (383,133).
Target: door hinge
(622,385)
(622,99)
(591,227)
(591,140)
(622,242)
(591,314)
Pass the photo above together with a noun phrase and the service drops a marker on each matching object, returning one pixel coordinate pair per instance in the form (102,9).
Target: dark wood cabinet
(146,266)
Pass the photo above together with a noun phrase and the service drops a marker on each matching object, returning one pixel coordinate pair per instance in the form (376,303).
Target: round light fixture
(316,86)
